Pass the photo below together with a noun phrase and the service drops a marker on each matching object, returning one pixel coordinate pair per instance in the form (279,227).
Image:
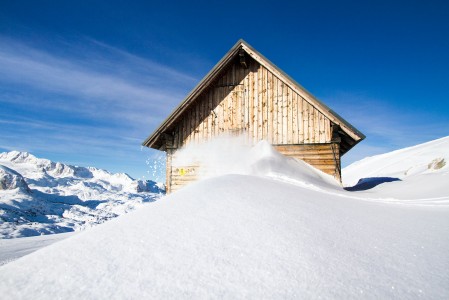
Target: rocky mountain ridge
(39,196)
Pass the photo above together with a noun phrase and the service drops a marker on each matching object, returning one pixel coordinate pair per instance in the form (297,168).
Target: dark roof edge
(150,139)
(346,123)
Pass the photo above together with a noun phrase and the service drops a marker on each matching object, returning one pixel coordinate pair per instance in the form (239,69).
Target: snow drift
(416,174)
(428,158)
(259,235)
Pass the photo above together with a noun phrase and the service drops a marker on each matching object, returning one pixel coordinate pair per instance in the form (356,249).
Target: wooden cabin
(247,94)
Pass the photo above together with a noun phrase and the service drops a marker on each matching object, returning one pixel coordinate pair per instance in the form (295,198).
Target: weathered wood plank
(195,123)
(246,102)
(199,124)
(253,111)
(311,147)
(305,114)
(294,118)
(187,118)
(220,112)
(230,99)
(284,113)
(214,121)
(168,169)
(305,151)
(259,104)
(311,124)
(322,127)
(264,104)
(184,128)
(300,120)
(270,128)
(275,139)
(255,105)
(223,103)
(241,99)
(280,110)
(210,114)
(316,130)
(327,129)
(290,130)
(203,122)
(176,137)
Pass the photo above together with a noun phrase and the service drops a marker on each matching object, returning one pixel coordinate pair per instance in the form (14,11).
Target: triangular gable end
(349,135)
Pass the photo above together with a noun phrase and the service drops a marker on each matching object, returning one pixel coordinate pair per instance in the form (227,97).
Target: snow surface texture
(12,249)
(417,174)
(38,196)
(260,235)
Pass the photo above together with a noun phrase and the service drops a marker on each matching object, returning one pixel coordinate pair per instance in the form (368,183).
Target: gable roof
(153,140)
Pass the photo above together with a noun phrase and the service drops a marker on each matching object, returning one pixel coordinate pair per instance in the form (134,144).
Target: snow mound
(253,235)
(10,179)
(427,158)
(234,155)
(239,236)
(417,174)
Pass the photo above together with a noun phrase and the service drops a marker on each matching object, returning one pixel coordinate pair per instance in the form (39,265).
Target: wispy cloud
(386,126)
(95,101)
(100,101)
(107,81)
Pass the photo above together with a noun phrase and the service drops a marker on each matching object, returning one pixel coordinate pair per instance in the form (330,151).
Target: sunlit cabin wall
(254,102)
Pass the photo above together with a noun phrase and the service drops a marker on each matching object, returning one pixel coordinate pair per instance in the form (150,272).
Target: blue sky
(85,83)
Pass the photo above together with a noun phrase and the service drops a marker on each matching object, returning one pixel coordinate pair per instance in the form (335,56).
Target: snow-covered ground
(38,196)
(12,249)
(273,228)
(418,174)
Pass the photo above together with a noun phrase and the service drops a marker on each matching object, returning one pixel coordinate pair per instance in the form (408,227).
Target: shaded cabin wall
(256,103)
(324,157)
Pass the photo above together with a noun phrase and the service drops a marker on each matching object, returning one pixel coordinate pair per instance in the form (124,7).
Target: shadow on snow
(370,182)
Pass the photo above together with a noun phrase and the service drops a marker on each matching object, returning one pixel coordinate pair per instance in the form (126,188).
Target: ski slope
(275,229)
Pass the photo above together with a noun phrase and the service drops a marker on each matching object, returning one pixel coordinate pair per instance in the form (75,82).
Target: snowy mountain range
(270,227)
(38,196)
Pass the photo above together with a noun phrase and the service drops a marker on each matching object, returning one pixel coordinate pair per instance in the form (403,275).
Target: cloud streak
(115,83)
(90,104)
(386,127)
(101,102)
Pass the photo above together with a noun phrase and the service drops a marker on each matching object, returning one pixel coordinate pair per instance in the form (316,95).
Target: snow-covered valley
(38,196)
(271,227)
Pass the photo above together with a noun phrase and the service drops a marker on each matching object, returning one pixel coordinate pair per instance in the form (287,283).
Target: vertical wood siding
(258,104)
(254,102)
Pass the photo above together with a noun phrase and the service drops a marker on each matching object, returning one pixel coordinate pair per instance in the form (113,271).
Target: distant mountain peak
(10,179)
(18,156)
(64,197)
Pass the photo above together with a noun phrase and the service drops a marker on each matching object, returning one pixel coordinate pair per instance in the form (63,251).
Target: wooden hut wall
(254,102)
(324,157)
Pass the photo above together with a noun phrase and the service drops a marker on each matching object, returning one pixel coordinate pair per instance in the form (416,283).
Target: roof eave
(152,138)
(347,127)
